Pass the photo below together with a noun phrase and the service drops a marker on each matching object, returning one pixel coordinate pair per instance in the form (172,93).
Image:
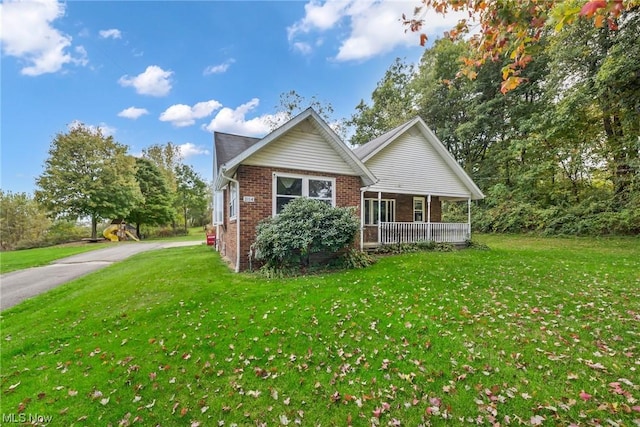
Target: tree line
(558,153)
(90,176)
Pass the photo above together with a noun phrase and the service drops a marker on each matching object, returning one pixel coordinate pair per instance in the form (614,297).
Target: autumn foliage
(498,31)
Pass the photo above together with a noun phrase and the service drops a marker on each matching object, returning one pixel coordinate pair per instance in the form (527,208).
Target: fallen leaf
(584,395)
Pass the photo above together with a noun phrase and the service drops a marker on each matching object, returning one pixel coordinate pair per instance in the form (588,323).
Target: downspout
(235,181)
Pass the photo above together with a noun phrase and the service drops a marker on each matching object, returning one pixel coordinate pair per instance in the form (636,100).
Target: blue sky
(150,72)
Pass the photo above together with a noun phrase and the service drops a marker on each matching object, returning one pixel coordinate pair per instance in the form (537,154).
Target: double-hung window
(233,200)
(387,211)
(418,209)
(218,207)
(288,187)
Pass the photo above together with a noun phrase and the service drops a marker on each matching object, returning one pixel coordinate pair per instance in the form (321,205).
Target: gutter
(235,181)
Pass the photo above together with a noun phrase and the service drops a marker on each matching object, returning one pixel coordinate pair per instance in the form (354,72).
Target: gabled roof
(253,145)
(375,146)
(228,146)
(363,151)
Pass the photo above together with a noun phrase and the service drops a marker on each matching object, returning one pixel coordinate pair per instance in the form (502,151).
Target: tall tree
(166,157)
(513,29)
(157,206)
(90,175)
(291,103)
(393,104)
(597,72)
(192,194)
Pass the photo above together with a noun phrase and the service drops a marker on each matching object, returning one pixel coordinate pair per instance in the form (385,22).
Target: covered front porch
(390,218)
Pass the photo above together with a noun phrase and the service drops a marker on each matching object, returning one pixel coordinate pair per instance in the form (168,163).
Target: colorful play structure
(120,230)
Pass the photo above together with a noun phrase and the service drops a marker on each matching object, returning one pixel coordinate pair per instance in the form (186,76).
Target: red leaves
(585,396)
(591,7)
(500,36)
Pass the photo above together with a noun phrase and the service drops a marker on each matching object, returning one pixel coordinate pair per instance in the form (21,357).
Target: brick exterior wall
(257,182)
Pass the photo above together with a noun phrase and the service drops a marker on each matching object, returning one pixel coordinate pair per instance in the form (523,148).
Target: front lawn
(18,260)
(27,258)
(531,332)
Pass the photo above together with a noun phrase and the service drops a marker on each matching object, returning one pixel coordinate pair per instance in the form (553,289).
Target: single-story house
(396,182)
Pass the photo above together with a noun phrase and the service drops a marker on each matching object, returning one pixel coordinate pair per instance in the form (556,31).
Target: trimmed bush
(304,227)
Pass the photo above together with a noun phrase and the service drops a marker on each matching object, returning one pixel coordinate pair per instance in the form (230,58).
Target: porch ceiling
(409,191)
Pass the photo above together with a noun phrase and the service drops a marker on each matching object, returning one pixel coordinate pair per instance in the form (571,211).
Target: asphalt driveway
(17,286)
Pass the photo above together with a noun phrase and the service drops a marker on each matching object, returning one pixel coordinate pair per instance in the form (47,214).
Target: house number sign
(248,199)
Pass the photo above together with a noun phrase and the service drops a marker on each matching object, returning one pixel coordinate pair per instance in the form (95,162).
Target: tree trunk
(94,227)
(186,230)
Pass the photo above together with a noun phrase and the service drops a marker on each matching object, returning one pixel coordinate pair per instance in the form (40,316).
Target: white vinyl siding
(411,165)
(301,148)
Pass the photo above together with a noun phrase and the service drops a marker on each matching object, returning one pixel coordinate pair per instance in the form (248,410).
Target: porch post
(379,217)
(469,218)
(361,219)
(428,217)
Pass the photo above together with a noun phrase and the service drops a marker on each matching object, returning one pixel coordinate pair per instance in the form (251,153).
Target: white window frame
(421,211)
(218,207)
(372,218)
(233,200)
(305,187)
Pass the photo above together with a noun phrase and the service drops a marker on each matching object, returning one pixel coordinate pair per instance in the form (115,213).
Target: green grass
(18,260)
(533,331)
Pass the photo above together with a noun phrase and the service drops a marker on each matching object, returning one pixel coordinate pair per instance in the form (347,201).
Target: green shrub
(472,244)
(304,227)
(403,248)
(65,231)
(354,258)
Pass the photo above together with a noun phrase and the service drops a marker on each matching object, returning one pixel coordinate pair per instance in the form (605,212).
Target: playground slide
(111,233)
(132,236)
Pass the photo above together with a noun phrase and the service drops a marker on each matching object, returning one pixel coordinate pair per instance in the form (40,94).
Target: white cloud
(154,81)
(235,121)
(374,26)
(132,112)
(181,115)
(319,16)
(220,68)
(189,149)
(302,47)
(28,34)
(111,33)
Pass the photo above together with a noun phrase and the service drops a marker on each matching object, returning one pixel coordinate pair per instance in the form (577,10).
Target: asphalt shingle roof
(229,146)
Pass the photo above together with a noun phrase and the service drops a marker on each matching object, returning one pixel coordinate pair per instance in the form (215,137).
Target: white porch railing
(412,232)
